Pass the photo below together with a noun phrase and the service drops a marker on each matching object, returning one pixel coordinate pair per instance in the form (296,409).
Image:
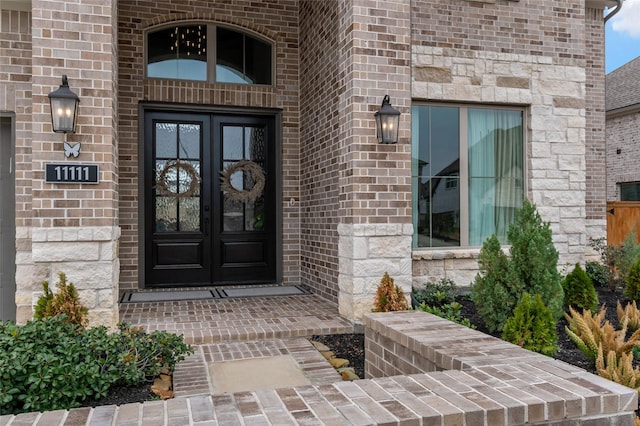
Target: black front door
(209,199)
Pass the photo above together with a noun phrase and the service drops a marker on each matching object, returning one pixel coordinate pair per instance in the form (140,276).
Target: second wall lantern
(387,121)
(64,108)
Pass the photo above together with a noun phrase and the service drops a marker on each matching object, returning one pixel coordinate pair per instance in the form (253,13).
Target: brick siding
(319,147)
(623,135)
(596,196)
(276,21)
(15,97)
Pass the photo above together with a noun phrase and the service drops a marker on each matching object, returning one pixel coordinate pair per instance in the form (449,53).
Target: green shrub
(579,291)
(632,285)
(535,259)
(494,288)
(618,259)
(629,253)
(66,301)
(51,364)
(598,273)
(436,294)
(450,311)
(532,326)
(531,267)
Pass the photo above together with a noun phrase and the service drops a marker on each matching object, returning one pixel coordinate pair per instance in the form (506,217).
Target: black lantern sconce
(64,108)
(387,120)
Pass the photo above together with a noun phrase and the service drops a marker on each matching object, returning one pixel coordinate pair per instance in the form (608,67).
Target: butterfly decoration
(70,150)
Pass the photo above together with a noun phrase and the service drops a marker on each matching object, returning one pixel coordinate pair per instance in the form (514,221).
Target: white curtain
(495,172)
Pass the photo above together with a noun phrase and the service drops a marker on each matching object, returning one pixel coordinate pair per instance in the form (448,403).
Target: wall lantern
(64,108)
(387,120)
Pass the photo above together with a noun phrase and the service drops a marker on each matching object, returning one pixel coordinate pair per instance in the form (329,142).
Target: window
(184,52)
(467,170)
(630,191)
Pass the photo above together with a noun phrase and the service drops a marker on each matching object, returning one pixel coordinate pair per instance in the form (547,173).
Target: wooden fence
(622,218)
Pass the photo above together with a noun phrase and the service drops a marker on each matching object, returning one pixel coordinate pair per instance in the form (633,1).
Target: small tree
(534,257)
(532,267)
(389,297)
(495,290)
(66,301)
(532,326)
(579,291)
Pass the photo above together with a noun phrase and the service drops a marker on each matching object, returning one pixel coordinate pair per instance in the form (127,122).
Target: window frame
(621,187)
(212,53)
(463,146)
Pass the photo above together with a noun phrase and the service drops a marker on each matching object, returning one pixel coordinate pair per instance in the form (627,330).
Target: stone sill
(448,253)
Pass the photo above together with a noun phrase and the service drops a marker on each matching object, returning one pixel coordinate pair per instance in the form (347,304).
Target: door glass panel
(189,141)
(254,139)
(178,178)
(166,140)
(190,214)
(232,143)
(244,143)
(166,214)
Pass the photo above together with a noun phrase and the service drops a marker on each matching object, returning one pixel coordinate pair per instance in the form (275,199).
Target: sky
(622,42)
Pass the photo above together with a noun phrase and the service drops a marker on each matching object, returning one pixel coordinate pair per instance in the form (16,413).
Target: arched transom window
(187,52)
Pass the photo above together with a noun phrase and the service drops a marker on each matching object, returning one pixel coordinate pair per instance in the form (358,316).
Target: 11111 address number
(71,173)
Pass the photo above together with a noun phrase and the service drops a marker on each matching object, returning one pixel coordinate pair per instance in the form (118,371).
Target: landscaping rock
(339,362)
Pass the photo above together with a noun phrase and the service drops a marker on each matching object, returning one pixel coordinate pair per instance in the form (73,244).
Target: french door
(210,215)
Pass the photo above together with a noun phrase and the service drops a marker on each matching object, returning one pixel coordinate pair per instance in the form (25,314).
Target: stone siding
(536,57)
(366,253)
(88,257)
(555,115)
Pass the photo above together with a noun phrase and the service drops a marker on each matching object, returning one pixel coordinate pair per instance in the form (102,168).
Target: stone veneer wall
(623,135)
(374,179)
(527,55)
(276,21)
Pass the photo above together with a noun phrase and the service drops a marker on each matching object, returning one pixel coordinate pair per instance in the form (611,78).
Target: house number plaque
(71,173)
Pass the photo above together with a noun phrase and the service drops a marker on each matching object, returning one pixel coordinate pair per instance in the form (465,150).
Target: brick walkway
(239,319)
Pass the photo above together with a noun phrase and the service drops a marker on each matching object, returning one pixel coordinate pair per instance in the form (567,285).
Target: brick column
(596,176)
(74,226)
(375,182)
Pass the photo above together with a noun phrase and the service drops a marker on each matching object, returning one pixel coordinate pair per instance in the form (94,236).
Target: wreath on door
(169,175)
(249,169)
